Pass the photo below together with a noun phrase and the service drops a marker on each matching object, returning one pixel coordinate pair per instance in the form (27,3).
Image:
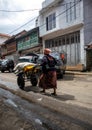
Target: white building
(66,25)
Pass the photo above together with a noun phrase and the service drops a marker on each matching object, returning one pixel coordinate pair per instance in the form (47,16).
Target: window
(27,38)
(52,43)
(63,40)
(71,11)
(55,43)
(51,22)
(59,42)
(46,43)
(72,39)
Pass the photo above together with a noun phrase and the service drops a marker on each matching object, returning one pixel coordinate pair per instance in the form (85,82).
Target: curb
(78,73)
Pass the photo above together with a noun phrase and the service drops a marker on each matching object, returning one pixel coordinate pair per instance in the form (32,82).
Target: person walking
(48,78)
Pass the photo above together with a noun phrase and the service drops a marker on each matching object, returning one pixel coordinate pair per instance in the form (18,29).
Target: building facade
(3,37)
(29,42)
(66,26)
(8,48)
(21,44)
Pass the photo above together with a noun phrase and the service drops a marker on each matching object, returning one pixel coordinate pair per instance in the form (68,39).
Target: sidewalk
(79,73)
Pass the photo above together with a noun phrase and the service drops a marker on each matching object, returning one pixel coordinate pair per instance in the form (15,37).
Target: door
(89,60)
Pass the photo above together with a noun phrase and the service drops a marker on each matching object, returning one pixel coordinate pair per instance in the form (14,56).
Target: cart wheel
(34,80)
(20,82)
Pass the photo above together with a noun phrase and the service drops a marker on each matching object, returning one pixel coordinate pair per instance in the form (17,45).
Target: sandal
(54,94)
(42,91)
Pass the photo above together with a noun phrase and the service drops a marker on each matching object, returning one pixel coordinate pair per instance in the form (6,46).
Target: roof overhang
(88,46)
(61,32)
(32,50)
(31,54)
(49,5)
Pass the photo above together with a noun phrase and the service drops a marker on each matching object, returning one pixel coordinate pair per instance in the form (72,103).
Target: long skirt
(48,80)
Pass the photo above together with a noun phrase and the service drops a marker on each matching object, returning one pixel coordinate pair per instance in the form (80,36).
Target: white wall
(46,3)
(88,21)
(82,51)
(61,22)
(62,14)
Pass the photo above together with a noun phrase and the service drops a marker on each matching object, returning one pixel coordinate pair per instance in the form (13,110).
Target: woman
(48,79)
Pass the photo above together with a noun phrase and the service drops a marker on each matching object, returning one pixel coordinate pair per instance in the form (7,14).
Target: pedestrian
(48,78)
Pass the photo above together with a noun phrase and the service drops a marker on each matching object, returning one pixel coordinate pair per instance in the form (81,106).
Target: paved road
(71,89)
(76,90)
(61,114)
(30,116)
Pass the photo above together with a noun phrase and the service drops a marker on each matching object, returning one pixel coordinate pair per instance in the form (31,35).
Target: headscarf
(47,51)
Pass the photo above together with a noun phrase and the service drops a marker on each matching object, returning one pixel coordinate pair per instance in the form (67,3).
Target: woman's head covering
(47,51)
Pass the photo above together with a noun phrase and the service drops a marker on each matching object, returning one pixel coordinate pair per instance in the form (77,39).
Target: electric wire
(10,11)
(18,10)
(22,25)
(44,23)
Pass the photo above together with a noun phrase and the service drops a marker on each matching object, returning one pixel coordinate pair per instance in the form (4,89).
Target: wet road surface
(40,117)
(43,118)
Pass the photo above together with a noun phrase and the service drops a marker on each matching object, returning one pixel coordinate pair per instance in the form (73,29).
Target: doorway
(89,60)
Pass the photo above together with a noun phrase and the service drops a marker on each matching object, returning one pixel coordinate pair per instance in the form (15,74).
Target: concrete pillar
(82,45)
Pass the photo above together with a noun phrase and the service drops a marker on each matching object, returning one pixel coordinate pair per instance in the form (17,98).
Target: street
(72,106)
(19,114)
(71,89)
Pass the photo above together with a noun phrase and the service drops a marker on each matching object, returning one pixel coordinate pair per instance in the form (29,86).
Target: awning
(31,54)
(88,46)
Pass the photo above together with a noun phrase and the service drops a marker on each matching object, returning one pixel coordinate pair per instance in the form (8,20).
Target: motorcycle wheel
(20,82)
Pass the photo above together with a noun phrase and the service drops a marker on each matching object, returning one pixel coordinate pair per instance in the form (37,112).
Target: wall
(65,10)
(46,3)
(87,21)
(29,40)
(61,22)
(2,39)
